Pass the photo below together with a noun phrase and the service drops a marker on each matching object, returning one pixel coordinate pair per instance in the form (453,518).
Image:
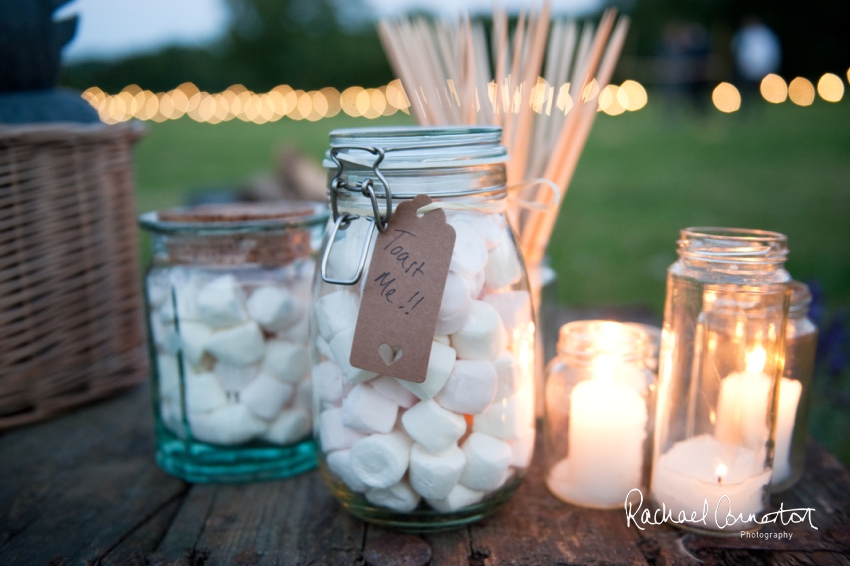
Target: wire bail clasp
(343,221)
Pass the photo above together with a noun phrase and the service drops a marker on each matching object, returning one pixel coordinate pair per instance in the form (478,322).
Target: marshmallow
(328,379)
(514,308)
(231,424)
(475,283)
(172,416)
(168,372)
(469,254)
(185,295)
(265,396)
(157,288)
(193,340)
(165,336)
(458,498)
(432,426)
(490,228)
(443,339)
(454,309)
(440,366)
(291,426)
(304,395)
(341,349)
(204,393)
(508,375)
(336,312)
(221,302)
(298,332)
(487,460)
(380,460)
(390,388)
(434,476)
(324,348)
(333,435)
(286,361)
(470,388)
(399,497)
(507,419)
(234,378)
(367,411)
(483,337)
(522,449)
(339,463)
(503,265)
(273,308)
(237,345)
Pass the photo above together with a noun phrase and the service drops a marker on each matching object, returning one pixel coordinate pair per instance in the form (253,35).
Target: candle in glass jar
(702,469)
(742,410)
(607,428)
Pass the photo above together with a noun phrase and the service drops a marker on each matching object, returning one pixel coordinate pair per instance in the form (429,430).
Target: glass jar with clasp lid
(450,450)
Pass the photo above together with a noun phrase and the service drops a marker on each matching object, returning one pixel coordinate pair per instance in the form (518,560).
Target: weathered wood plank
(74,488)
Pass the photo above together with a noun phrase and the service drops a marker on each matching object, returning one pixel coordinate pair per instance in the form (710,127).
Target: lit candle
(702,469)
(742,411)
(607,428)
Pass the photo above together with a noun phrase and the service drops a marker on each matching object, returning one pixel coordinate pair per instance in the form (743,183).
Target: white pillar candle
(789,398)
(701,470)
(607,428)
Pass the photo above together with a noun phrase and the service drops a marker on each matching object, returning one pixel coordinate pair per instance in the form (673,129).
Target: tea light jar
(722,352)
(599,396)
(450,450)
(801,340)
(227,305)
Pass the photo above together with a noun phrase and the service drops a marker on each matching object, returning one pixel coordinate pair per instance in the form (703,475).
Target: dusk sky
(113,28)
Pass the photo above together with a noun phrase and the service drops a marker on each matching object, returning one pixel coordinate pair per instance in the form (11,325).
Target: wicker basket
(70,307)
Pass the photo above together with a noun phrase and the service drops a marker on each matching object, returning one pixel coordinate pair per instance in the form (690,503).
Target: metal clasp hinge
(343,221)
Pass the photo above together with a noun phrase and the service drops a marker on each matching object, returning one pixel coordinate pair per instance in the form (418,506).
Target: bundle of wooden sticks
(451,76)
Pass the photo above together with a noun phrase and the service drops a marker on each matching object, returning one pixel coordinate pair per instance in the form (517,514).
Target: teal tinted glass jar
(227,305)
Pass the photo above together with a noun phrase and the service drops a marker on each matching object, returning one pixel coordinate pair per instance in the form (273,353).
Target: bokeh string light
(831,87)
(726,98)
(259,108)
(801,92)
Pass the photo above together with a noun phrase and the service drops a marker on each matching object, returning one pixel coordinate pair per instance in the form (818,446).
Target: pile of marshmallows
(244,352)
(469,426)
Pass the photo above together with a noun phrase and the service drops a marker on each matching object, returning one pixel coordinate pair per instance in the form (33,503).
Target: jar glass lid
(412,147)
(234,218)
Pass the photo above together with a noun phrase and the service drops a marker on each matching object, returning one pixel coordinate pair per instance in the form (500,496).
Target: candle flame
(756,359)
(721,472)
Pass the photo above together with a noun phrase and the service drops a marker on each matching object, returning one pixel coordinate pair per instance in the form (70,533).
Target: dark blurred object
(31,43)
(308,44)
(30,53)
(60,105)
(297,177)
(70,308)
(683,63)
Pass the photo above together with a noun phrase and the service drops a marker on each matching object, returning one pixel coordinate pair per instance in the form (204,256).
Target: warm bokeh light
(611,102)
(238,102)
(801,92)
(635,95)
(726,97)
(774,89)
(831,87)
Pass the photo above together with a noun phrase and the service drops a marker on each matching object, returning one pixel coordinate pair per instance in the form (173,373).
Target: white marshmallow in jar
(228,296)
(450,450)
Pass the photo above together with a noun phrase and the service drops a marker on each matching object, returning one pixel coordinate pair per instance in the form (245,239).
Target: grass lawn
(642,178)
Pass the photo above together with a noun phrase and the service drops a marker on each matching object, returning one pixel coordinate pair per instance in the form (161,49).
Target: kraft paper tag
(404,289)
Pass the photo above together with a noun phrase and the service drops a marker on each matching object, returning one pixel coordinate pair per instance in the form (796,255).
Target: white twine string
(494,207)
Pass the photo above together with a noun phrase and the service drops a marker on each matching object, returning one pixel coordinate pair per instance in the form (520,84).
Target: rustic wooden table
(84,489)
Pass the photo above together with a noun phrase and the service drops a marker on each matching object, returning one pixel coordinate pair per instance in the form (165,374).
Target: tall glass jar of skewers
(449,450)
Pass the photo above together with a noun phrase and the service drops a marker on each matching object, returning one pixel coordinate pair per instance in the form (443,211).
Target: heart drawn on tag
(389,353)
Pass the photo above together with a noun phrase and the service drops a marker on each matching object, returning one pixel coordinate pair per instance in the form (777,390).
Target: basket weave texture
(70,308)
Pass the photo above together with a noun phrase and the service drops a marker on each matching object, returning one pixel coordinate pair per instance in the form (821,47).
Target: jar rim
(418,147)
(587,339)
(801,298)
(733,245)
(304,214)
